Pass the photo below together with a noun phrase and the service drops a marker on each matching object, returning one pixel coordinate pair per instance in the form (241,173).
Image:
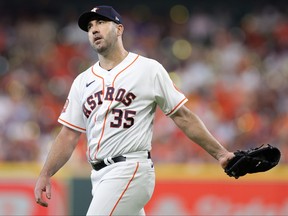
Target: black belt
(98,166)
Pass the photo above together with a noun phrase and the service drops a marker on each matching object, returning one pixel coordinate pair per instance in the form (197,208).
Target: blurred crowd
(234,72)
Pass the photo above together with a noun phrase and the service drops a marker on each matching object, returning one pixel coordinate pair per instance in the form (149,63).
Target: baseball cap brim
(99,12)
(85,18)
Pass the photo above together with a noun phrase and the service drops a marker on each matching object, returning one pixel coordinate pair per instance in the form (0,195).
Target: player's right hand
(42,185)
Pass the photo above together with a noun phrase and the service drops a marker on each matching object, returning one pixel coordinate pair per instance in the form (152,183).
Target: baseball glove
(253,160)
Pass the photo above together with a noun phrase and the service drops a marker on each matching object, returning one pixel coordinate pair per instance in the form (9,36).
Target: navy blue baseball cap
(102,12)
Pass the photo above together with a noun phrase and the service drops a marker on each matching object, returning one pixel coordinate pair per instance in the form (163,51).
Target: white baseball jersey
(116,108)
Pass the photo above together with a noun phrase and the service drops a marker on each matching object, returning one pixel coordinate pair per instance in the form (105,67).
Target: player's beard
(103,47)
(99,46)
(103,44)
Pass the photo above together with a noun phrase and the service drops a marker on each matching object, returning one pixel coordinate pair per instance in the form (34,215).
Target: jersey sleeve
(71,115)
(168,97)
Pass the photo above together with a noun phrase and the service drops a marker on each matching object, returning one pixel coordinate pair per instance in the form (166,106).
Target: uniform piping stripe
(181,102)
(105,118)
(72,125)
(100,78)
(125,189)
(125,69)
(103,128)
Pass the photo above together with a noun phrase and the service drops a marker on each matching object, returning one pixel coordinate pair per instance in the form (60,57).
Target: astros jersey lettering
(116,108)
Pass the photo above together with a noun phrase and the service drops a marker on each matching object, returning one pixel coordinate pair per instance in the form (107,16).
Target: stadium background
(229,57)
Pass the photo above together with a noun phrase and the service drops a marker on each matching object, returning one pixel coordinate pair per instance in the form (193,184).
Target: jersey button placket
(108,80)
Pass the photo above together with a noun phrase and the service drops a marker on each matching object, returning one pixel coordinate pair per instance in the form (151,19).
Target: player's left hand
(253,160)
(225,158)
(42,185)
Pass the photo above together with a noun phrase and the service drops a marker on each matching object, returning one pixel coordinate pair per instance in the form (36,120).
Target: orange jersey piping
(105,118)
(179,104)
(72,125)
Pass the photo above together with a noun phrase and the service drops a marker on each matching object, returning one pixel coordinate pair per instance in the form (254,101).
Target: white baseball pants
(122,188)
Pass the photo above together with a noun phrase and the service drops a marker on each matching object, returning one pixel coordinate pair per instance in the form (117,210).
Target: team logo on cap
(94,9)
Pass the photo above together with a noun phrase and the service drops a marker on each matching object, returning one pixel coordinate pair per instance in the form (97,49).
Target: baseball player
(114,103)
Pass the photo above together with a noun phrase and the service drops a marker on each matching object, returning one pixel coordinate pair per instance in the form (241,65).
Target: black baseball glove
(253,160)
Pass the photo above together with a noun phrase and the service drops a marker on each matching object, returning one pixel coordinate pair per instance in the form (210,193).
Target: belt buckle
(108,161)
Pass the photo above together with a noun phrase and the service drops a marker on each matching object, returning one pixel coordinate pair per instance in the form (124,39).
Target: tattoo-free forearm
(195,130)
(61,150)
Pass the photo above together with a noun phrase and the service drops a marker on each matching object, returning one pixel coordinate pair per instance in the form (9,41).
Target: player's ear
(120,29)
